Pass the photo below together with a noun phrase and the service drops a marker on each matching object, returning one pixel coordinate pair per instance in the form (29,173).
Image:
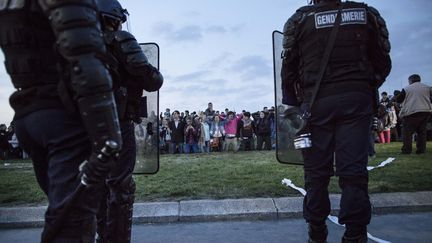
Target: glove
(295,116)
(95,170)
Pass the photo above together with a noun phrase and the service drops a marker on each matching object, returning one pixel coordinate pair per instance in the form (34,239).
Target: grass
(231,175)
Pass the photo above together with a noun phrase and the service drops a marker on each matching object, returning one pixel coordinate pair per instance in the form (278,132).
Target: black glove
(295,116)
(95,170)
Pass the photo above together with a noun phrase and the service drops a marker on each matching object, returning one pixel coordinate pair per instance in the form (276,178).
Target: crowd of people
(392,121)
(9,145)
(211,130)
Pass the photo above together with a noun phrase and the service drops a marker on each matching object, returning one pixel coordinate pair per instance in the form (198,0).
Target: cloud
(190,32)
(217,29)
(252,67)
(195,76)
(219,60)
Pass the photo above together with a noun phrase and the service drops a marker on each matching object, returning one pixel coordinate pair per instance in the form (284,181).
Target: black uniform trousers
(115,213)
(340,127)
(415,123)
(58,143)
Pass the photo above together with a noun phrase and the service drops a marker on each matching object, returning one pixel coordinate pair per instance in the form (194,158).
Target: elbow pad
(79,41)
(131,57)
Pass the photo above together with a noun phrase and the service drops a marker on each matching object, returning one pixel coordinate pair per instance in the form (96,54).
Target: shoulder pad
(380,24)
(373,10)
(303,13)
(122,35)
(292,24)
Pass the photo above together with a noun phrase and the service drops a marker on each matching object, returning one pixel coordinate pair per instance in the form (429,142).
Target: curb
(229,209)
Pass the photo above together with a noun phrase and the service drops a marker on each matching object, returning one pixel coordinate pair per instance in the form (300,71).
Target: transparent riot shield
(285,128)
(147,132)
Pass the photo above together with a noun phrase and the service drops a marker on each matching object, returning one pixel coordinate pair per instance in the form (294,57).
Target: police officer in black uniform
(340,117)
(65,112)
(131,73)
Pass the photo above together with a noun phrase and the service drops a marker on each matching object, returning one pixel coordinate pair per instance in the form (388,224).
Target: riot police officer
(131,73)
(340,117)
(64,106)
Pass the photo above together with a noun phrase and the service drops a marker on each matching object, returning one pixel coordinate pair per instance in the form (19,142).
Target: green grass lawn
(231,175)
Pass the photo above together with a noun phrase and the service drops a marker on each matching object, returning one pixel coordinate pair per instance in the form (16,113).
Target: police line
(334,219)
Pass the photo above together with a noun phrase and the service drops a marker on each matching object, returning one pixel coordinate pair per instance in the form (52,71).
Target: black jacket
(177,135)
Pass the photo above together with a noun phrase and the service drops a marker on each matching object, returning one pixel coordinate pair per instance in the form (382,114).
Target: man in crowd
(177,133)
(4,144)
(416,109)
(340,118)
(210,113)
(231,131)
(384,99)
(65,113)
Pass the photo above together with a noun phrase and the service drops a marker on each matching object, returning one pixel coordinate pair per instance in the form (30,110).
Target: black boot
(357,239)
(355,234)
(317,233)
(120,210)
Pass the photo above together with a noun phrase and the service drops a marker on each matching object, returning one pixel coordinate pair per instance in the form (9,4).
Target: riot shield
(147,132)
(285,128)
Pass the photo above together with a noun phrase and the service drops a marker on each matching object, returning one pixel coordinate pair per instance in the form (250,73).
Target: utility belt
(229,136)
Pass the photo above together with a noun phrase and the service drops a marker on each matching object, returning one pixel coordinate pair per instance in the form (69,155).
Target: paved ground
(399,217)
(396,228)
(229,209)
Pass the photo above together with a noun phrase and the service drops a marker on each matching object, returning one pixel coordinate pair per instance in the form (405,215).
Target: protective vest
(349,60)
(27,41)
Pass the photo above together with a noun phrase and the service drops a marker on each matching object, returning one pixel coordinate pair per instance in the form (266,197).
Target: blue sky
(220,51)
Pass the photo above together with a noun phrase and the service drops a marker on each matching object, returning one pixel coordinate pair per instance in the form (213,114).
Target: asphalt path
(396,228)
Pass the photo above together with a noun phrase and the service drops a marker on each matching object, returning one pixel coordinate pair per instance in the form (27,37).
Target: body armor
(50,44)
(355,64)
(132,73)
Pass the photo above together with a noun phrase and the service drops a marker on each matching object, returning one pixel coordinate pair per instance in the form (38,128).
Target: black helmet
(112,9)
(318,1)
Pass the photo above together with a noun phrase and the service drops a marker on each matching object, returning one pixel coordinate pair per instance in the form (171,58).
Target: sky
(221,51)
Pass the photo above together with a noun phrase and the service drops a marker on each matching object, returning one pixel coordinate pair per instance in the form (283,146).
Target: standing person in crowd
(210,113)
(177,127)
(384,124)
(247,132)
(14,149)
(416,109)
(167,113)
(165,136)
(131,73)
(397,107)
(217,134)
(4,144)
(263,131)
(204,137)
(65,113)
(272,119)
(384,99)
(231,131)
(186,116)
(340,117)
(190,134)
